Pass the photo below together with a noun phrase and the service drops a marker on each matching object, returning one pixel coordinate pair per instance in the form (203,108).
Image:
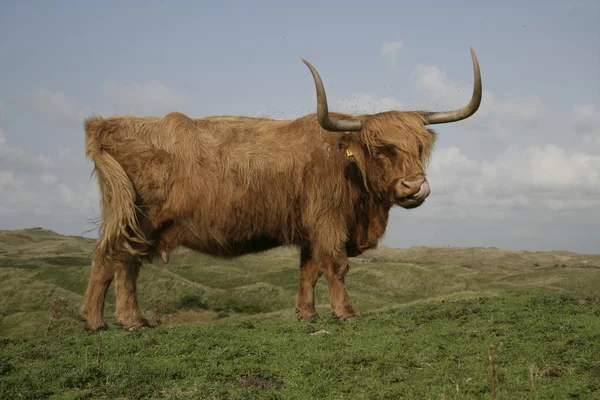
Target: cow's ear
(343,142)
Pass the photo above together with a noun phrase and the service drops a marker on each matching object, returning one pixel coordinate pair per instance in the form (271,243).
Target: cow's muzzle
(412,192)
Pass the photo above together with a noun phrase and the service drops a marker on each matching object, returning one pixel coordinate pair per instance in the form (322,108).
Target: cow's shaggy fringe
(412,139)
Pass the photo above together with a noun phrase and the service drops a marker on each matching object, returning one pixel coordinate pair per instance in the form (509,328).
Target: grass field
(229,331)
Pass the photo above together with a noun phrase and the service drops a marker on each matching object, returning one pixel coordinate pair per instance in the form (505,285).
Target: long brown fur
(228,185)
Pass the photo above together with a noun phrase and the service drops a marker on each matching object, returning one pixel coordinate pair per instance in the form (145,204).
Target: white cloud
(586,122)
(63,153)
(60,109)
(493,114)
(7,179)
(48,178)
(42,195)
(367,104)
(150,97)
(275,114)
(362,103)
(586,118)
(518,179)
(66,192)
(2,110)
(44,161)
(34,191)
(529,111)
(553,169)
(390,51)
(15,159)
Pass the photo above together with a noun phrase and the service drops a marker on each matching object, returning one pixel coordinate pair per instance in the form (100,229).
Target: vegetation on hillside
(228,328)
(37,266)
(427,351)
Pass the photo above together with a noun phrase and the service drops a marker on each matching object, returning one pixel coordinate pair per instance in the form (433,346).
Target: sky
(522,174)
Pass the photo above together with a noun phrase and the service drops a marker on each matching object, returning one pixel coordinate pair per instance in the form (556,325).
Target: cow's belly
(232,248)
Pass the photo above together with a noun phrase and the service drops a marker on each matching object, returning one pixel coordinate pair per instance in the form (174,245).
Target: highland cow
(234,185)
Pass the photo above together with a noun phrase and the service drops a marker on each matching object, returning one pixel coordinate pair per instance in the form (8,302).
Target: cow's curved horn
(323,111)
(441,117)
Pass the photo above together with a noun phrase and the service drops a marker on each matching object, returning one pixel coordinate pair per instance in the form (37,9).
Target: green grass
(229,328)
(418,352)
(38,265)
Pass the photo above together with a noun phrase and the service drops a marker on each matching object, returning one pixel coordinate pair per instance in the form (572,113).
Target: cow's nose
(410,187)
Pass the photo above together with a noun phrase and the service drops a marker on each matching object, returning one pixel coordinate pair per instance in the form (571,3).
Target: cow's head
(392,148)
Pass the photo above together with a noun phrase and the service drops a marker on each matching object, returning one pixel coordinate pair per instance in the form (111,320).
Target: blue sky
(524,173)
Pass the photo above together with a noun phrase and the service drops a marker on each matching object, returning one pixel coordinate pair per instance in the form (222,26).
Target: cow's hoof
(308,318)
(347,316)
(101,326)
(139,324)
(305,315)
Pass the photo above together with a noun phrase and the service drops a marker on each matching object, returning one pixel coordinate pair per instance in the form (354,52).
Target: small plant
(61,309)
(99,351)
(192,301)
(159,307)
(493,371)
(531,382)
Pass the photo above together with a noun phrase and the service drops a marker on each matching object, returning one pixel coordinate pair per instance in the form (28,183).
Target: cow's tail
(120,232)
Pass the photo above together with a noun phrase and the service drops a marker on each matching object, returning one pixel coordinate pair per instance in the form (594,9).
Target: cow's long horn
(456,115)
(323,111)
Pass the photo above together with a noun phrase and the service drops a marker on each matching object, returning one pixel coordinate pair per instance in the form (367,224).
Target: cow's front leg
(128,312)
(335,270)
(309,274)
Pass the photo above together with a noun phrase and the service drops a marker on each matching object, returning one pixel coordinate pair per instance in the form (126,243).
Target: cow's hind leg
(92,309)
(128,311)
(309,274)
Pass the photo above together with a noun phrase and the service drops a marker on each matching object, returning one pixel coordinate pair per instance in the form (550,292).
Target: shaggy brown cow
(229,185)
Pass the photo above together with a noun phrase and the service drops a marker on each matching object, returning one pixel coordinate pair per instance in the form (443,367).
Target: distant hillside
(43,242)
(482,256)
(38,266)
(27,241)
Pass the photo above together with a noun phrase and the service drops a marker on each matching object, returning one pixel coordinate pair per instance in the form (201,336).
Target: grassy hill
(37,266)
(229,327)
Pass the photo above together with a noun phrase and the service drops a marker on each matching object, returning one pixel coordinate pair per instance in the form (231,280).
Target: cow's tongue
(424,191)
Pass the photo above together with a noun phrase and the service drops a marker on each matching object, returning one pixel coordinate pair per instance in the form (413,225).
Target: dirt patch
(554,370)
(258,382)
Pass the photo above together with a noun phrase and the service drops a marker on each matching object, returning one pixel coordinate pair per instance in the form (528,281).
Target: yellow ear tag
(349,153)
